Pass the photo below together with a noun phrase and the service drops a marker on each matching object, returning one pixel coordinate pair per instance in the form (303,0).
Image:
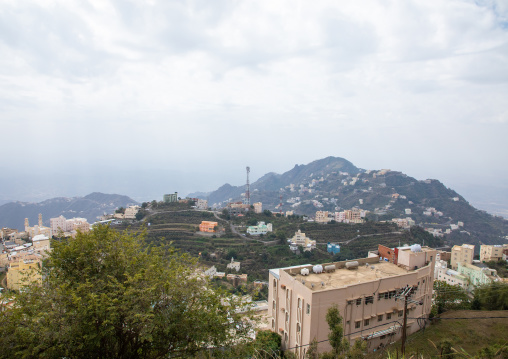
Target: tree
(340,345)
(493,296)
(106,295)
(450,297)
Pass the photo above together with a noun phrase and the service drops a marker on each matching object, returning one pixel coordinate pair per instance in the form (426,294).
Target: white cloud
(358,79)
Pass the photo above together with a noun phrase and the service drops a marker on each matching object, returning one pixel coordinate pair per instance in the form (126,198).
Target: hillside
(95,204)
(334,184)
(468,335)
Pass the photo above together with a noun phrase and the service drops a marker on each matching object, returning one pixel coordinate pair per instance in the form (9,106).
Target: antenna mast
(247,192)
(280,204)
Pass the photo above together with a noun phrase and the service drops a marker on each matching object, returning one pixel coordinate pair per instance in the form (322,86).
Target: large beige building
(462,254)
(492,253)
(365,292)
(23,271)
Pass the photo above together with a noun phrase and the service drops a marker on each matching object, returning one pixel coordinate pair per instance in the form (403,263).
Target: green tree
(104,294)
(493,296)
(340,345)
(450,297)
(267,344)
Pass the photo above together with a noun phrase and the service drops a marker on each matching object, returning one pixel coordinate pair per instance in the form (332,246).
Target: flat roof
(344,277)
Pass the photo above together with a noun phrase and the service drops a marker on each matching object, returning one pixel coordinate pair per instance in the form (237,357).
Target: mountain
(334,184)
(95,204)
(273,182)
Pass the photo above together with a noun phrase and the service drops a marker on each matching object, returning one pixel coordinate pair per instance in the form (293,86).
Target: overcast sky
(202,89)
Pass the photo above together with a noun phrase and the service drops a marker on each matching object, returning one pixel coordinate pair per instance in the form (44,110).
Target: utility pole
(405,294)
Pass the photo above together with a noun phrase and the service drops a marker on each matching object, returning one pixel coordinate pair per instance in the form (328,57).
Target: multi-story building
(300,240)
(462,254)
(170,198)
(237,208)
(130,212)
(322,217)
(450,276)
(492,253)
(260,228)
(23,271)
(258,207)
(365,292)
(201,204)
(477,274)
(68,227)
(208,226)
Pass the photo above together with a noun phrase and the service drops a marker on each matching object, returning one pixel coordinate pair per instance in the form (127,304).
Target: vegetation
(449,297)
(105,294)
(491,297)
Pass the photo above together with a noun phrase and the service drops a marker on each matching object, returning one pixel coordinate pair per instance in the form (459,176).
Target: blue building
(333,248)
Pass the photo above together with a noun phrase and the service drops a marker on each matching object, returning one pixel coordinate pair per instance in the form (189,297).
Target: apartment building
(201,204)
(477,274)
(208,226)
(301,240)
(462,254)
(37,229)
(23,271)
(322,217)
(450,276)
(258,207)
(365,292)
(68,227)
(260,228)
(170,198)
(492,252)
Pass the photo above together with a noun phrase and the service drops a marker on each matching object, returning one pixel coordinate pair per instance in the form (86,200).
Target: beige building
(365,292)
(258,207)
(201,204)
(462,254)
(24,271)
(68,227)
(299,239)
(492,253)
(322,217)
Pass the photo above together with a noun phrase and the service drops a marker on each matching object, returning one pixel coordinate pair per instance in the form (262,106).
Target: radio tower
(247,192)
(280,205)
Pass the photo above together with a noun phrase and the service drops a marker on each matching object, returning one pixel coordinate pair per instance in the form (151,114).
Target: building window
(359,301)
(274,305)
(298,327)
(357,324)
(382,337)
(369,300)
(388,316)
(308,308)
(299,303)
(366,322)
(401,313)
(380,318)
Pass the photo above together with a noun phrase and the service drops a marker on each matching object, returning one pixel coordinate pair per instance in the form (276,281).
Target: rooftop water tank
(352,265)
(317,269)
(304,271)
(416,248)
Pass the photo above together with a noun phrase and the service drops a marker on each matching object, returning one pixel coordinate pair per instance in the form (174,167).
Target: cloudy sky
(188,93)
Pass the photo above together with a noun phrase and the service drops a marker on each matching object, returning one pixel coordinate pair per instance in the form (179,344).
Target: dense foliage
(105,294)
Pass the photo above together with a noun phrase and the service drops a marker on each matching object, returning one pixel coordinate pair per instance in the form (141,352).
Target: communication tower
(247,191)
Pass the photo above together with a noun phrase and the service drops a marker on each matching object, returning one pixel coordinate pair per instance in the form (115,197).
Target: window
(308,308)
(401,313)
(359,301)
(299,303)
(383,336)
(349,302)
(366,322)
(357,324)
(380,318)
(388,316)
(298,327)
(392,294)
(369,300)
(274,305)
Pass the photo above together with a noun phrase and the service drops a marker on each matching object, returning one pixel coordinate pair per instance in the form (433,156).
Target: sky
(152,97)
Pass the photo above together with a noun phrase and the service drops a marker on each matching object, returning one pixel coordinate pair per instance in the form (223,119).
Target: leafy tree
(450,297)
(120,210)
(267,213)
(267,344)
(491,297)
(340,345)
(105,295)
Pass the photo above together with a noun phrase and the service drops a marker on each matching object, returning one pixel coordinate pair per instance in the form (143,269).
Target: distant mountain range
(334,184)
(13,214)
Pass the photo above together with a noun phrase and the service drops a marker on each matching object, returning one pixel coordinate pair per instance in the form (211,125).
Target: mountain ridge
(91,206)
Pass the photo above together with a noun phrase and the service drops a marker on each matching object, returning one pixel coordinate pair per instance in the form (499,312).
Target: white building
(202,204)
(234,265)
